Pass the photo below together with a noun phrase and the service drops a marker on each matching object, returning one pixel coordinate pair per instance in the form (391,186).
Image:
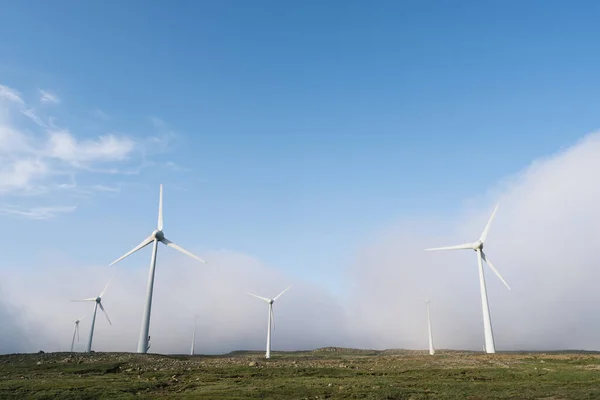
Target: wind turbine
(194,337)
(431,349)
(478,247)
(75,332)
(155,237)
(271,323)
(98,303)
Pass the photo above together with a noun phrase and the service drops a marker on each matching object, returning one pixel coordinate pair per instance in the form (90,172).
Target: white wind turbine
(155,237)
(97,303)
(75,332)
(478,247)
(431,349)
(271,324)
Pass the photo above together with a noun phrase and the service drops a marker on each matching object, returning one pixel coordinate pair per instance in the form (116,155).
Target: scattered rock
(252,364)
(39,363)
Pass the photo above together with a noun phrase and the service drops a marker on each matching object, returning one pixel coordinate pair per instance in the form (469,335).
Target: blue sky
(296,132)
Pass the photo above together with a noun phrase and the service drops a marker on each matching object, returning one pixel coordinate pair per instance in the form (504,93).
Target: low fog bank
(542,241)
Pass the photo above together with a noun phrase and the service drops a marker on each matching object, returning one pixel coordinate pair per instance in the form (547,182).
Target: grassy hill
(333,373)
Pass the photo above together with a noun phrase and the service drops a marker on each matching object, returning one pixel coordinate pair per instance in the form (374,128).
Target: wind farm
(328,372)
(169,175)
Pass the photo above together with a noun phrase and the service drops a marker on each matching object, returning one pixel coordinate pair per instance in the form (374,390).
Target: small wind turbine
(194,337)
(98,303)
(431,349)
(478,247)
(155,237)
(271,323)
(75,332)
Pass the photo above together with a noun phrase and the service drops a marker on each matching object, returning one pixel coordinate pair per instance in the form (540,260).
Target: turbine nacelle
(478,245)
(158,235)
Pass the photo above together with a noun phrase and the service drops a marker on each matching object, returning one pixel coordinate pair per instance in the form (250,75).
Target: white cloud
(543,241)
(19,174)
(10,95)
(64,146)
(36,158)
(47,97)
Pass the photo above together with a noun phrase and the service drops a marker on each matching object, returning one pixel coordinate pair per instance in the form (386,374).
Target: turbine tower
(75,332)
(478,248)
(154,238)
(97,303)
(431,349)
(271,324)
(194,337)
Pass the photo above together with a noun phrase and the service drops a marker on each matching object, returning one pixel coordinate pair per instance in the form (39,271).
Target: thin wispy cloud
(47,97)
(104,188)
(98,113)
(175,167)
(10,95)
(39,213)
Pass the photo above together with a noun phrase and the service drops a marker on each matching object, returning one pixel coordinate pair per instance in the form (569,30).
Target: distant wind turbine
(271,324)
(478,247)
(431,349)
(194,336)
(97,303)
(155,237)
(75,332)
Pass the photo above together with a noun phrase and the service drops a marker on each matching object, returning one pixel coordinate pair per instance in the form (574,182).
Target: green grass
(345,373)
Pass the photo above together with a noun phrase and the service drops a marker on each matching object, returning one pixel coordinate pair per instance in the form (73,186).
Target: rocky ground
(324,373)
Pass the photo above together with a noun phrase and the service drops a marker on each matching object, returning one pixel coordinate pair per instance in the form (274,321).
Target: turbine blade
(106,287)
(89,299)
(77,329)
(181,249)
(489,263)
(145,243)
(457,247)
(272,317)
(279,295)
(258,297)
(487,227)
(104,311)
(160,216)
